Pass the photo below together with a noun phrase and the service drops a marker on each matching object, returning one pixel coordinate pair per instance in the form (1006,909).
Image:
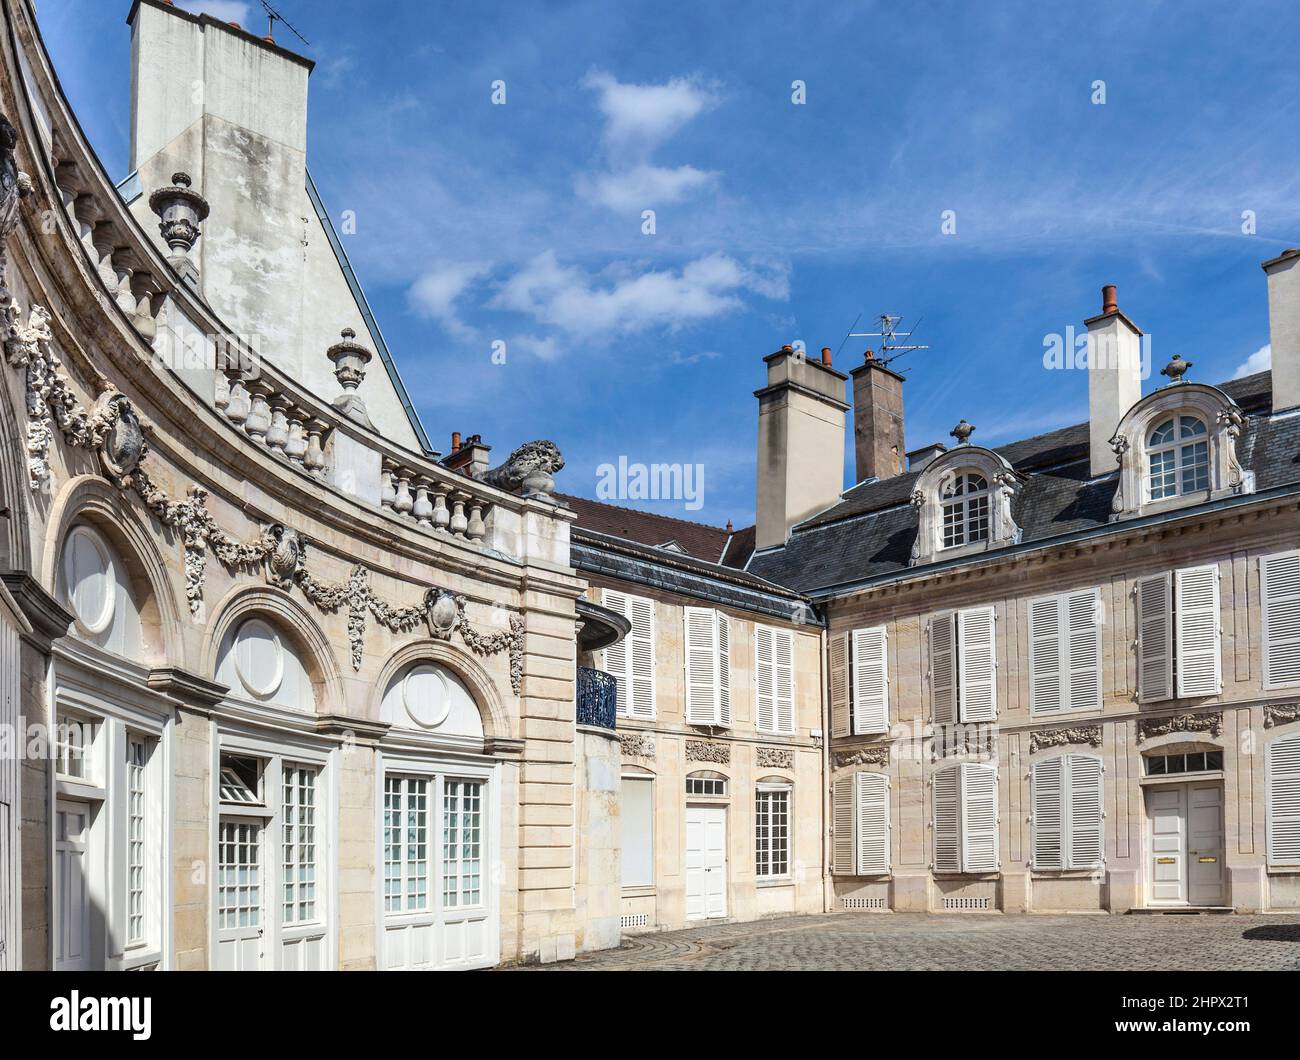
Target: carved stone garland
(1211,723)
(707,751)
(875,755)
(114,431)
(1280,714)
(1089,734)
(775,758)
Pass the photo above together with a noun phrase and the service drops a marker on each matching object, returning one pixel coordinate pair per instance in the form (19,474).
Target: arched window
(706,783)
(259,662)
(97,589)
(1178,458)
(965,509)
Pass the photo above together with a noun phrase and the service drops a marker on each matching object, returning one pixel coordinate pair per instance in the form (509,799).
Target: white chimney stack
(1114,378)
(1283,274)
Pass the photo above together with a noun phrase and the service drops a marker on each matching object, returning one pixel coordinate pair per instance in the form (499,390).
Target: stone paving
(953,942)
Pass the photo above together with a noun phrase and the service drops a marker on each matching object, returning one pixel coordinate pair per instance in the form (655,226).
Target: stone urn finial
(962,432)
(1176,369)
(350,359)
(181,210)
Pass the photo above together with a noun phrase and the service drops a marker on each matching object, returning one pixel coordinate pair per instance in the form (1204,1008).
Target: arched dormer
(1178,447)
(963,502)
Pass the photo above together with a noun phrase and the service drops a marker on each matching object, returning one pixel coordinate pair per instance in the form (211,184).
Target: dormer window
(1178,456)
(965,510)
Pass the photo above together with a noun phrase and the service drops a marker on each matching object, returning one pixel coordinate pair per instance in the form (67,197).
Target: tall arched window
(965,510)
(1178,458)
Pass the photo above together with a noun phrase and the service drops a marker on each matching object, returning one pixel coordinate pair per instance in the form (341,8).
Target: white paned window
(774,679)
(462,843)
(965,499)
(860,812)
(1279,588)
(298,820)
(239,874)
(965,832)
(772,832)
(406,844)
(1067,812)
(1065,652)
(241,780)
(637,819)
(963,666)
(708,667)
(632,660)
(137,759)
(1177,458)
(1283,781)
(1178,634)
(73,740)
(711,784)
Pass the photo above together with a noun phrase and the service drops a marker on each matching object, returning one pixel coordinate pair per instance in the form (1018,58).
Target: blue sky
(775,222)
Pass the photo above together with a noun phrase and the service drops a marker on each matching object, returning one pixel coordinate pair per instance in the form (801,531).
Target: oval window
(426,696)
(90,578)
(259,658)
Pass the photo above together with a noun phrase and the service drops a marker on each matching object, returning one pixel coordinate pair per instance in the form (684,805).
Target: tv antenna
(890,348)
(273,16)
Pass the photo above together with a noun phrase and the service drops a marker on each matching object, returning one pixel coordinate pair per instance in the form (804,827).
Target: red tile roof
(708,543)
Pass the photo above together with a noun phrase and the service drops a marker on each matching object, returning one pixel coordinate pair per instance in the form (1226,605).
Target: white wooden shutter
(1155,638)
(783,675)
(1048,792)
(765,678)
(842,813)
(615,658)
(1085,812)
(632,660)
(872,824)
(943,668)
(946,795)
(1082,656)
(724,669)
(839,680)
(976,665)
(701,666)
(870,680)
(1045,692)
(979,818)
(1196,630)
(1279,588)
(1283,782)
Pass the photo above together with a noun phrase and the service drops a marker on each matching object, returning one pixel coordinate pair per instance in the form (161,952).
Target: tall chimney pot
(826,355)
(1109,301)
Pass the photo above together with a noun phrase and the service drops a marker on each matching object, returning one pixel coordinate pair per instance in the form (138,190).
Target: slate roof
(870,532)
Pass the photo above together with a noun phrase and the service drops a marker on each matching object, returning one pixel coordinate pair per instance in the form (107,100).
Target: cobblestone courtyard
(911,941)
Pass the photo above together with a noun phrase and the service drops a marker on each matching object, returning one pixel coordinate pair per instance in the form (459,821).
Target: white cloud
(435,293)
(568,298)
(643,187)
(544,349)
(638,118)
(1259,361)
(225,10)
(694,358)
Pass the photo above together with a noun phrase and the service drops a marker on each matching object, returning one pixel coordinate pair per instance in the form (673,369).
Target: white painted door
(71,888)
(706,862)
(1205,844)
(241,905)
(1167,828)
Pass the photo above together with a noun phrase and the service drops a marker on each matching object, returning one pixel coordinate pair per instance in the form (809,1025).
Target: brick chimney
(1114,377)
(877,419)
(800,442)
(1283,274)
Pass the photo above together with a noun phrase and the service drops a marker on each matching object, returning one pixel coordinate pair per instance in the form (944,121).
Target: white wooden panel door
(706,862)
(71,887)
(1167,842)
(241,899)
(1205,844)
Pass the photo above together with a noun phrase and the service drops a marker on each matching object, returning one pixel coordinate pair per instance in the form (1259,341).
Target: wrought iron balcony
(597,698)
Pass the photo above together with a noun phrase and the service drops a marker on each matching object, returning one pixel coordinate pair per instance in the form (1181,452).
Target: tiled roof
(871,531)
(648,528)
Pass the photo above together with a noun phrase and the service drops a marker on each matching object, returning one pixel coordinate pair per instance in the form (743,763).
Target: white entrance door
(1185,830)
(241,918)
(1205,844)
(706,862)
(71,888)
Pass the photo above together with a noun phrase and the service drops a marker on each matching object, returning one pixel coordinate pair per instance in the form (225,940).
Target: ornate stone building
(282,687)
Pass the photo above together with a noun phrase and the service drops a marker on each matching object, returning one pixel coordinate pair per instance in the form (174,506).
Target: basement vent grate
(967,903)
(863,903)
(635,920)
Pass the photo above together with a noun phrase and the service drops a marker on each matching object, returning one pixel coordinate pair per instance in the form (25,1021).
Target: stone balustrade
(436,501)
(269,414)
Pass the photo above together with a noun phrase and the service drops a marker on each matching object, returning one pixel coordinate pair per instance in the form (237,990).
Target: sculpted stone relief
(1089,734)
(113,430)
(1211,723)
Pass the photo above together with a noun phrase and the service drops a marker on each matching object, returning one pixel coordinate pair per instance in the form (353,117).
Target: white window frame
(767,791)
(406,863)
(1177,447)
(962,503)
(303,831)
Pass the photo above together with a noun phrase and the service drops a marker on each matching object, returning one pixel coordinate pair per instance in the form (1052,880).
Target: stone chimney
(1283,274)
(800,442)
(877,419)
(1114,378)
(918,459)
